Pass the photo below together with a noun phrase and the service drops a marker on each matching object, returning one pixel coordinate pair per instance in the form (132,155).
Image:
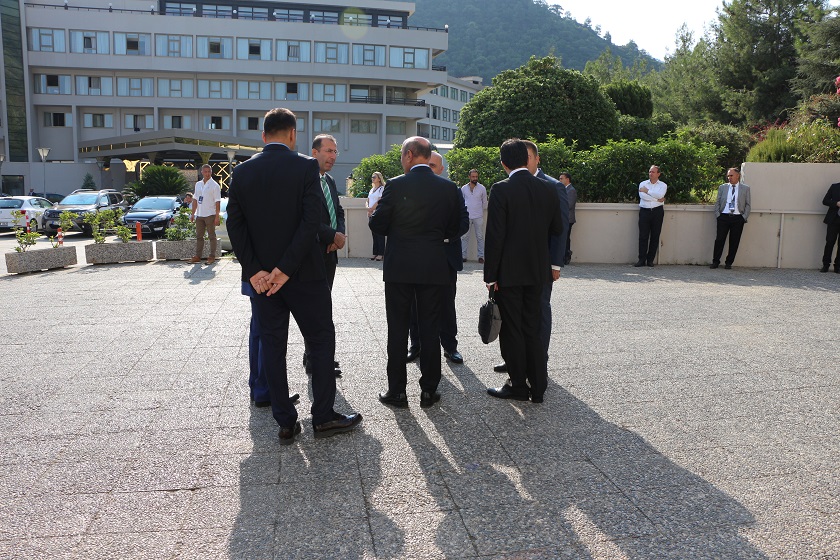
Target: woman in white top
(378,182)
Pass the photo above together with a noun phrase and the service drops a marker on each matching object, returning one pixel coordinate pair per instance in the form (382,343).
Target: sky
(652,24)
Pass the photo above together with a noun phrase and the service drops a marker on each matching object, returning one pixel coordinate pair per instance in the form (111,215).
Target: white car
(221,230)
(32,206)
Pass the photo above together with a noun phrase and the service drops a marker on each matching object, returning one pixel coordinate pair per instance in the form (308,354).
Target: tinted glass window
(10,203)
(79,199)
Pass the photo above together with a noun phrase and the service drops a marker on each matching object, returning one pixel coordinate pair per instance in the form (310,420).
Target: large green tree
(819,58)
(755,55)
(538,100)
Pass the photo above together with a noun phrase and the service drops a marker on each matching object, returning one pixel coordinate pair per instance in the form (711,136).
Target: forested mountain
(489,36)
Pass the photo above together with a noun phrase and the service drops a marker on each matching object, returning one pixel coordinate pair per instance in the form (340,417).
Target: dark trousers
(448,320)
(310,304)
(378,244)
(545,319)
(733,226)
(569,245)
(398,298)
(256,378)
(519,339)
(330,264)
(832,236)
(650,226)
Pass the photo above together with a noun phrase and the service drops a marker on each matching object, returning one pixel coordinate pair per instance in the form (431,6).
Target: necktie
(732,200)
(330,206)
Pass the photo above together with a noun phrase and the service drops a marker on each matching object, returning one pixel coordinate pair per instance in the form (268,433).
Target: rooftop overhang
(175,144)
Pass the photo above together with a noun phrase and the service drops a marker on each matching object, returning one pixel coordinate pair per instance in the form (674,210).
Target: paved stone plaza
(691,413)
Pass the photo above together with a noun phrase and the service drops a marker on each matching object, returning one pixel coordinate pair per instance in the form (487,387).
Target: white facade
(443,110)
(183,82)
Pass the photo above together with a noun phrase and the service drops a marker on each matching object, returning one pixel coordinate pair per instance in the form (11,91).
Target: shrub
(160,180)
(88,182)
(631,98)
(736,141)
(824,107)
(388,164)
(483,160)
(650,130)
(182,227)
(776,147)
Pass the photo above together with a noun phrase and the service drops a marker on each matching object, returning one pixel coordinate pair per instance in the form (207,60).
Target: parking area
(691,413)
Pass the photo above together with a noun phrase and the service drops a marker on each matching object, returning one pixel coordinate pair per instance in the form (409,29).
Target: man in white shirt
(206,213)
(651,215)
(475,196)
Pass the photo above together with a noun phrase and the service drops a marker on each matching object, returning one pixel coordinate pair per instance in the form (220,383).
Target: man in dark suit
(417,212)
(832,222)
(571,195)
(732,210)
(449,320)
(273,217)
(523,212)
(556,249)
(331,233)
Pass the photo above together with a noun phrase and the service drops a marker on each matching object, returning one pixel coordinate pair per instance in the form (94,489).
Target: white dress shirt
(651,198)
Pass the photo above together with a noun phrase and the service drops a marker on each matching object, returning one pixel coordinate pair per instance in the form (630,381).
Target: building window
(453,93)
(175,88)
(216,123)
(253,90)
(363,126)
(389,21)
(215,47)
(216,11)
(293,51)
(215,89)
(46,40)
(179,9)
(138,122)
(248,12)
(53,84)
(402,57)
(326,125)
(471,96)
(136,44)
(369,55)
(444,91)
(329,92)
(98,120)
(94,85)
(435,132)
(445,114)
(456,116)
(253,49)
(395,127)
(174,45)
(288,15)
(135,87)
(176,121)
(464,96)
(362,20)
(331,53)
(435,112)
(58,119)
(250,123)
(289,91)
(323,17)
(445,133)
(365,94)
(89,42)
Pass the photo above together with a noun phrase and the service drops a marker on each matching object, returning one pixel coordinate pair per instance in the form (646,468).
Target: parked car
(82,202)
(153,213)
(221,230)
(34,208)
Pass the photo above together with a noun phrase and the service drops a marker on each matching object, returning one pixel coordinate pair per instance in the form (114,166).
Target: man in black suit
(832,222)
(449,320)
(417,212)
(523,212)
(273,217)
(331,233)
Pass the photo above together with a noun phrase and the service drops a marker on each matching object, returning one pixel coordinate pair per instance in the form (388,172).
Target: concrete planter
(40,259)
(183,250)
(133,251)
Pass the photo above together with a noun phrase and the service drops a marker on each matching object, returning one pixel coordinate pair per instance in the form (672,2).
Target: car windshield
(153,204)
(80,198)
(10,203)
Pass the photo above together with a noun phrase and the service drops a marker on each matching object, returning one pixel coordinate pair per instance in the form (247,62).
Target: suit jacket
(571,194)
(830,200)
(744,204)
(557,243)
(274,210)
(417,212)
(453,246)
(326,233)
(523,211)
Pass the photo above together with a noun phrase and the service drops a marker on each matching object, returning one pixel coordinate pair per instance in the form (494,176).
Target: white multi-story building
(105,85)
(443,109)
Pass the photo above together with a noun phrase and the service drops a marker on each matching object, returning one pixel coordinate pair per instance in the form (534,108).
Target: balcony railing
(377,99)
(405,101)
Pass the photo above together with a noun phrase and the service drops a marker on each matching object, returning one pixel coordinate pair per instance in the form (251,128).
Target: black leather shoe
(413,354)
(536,399)
(714,265)
(454,357)
(507,392)
(337,372)
(397,400)
(427,399)
(727,267)
(287,435)
(651,264)
(837,269)
(341,423)
(501,368)
(639,264)
(824,268)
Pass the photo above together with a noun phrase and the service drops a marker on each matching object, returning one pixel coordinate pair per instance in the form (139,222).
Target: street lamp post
(44,152)
(2,159)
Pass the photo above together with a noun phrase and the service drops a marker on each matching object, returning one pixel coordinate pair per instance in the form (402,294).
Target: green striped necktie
(330,206)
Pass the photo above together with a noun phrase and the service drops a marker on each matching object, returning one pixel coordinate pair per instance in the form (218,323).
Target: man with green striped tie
(331,236)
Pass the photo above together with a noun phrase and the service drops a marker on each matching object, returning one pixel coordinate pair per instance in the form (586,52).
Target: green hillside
(488,36)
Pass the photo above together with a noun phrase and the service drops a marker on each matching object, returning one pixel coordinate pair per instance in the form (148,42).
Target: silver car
(32,206)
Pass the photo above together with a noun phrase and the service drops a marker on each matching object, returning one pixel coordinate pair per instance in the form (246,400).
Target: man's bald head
(436,163)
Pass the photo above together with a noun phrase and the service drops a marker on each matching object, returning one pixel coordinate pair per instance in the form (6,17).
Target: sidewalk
(691,413)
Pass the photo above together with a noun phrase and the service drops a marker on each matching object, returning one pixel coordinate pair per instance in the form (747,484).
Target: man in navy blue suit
(273,217)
